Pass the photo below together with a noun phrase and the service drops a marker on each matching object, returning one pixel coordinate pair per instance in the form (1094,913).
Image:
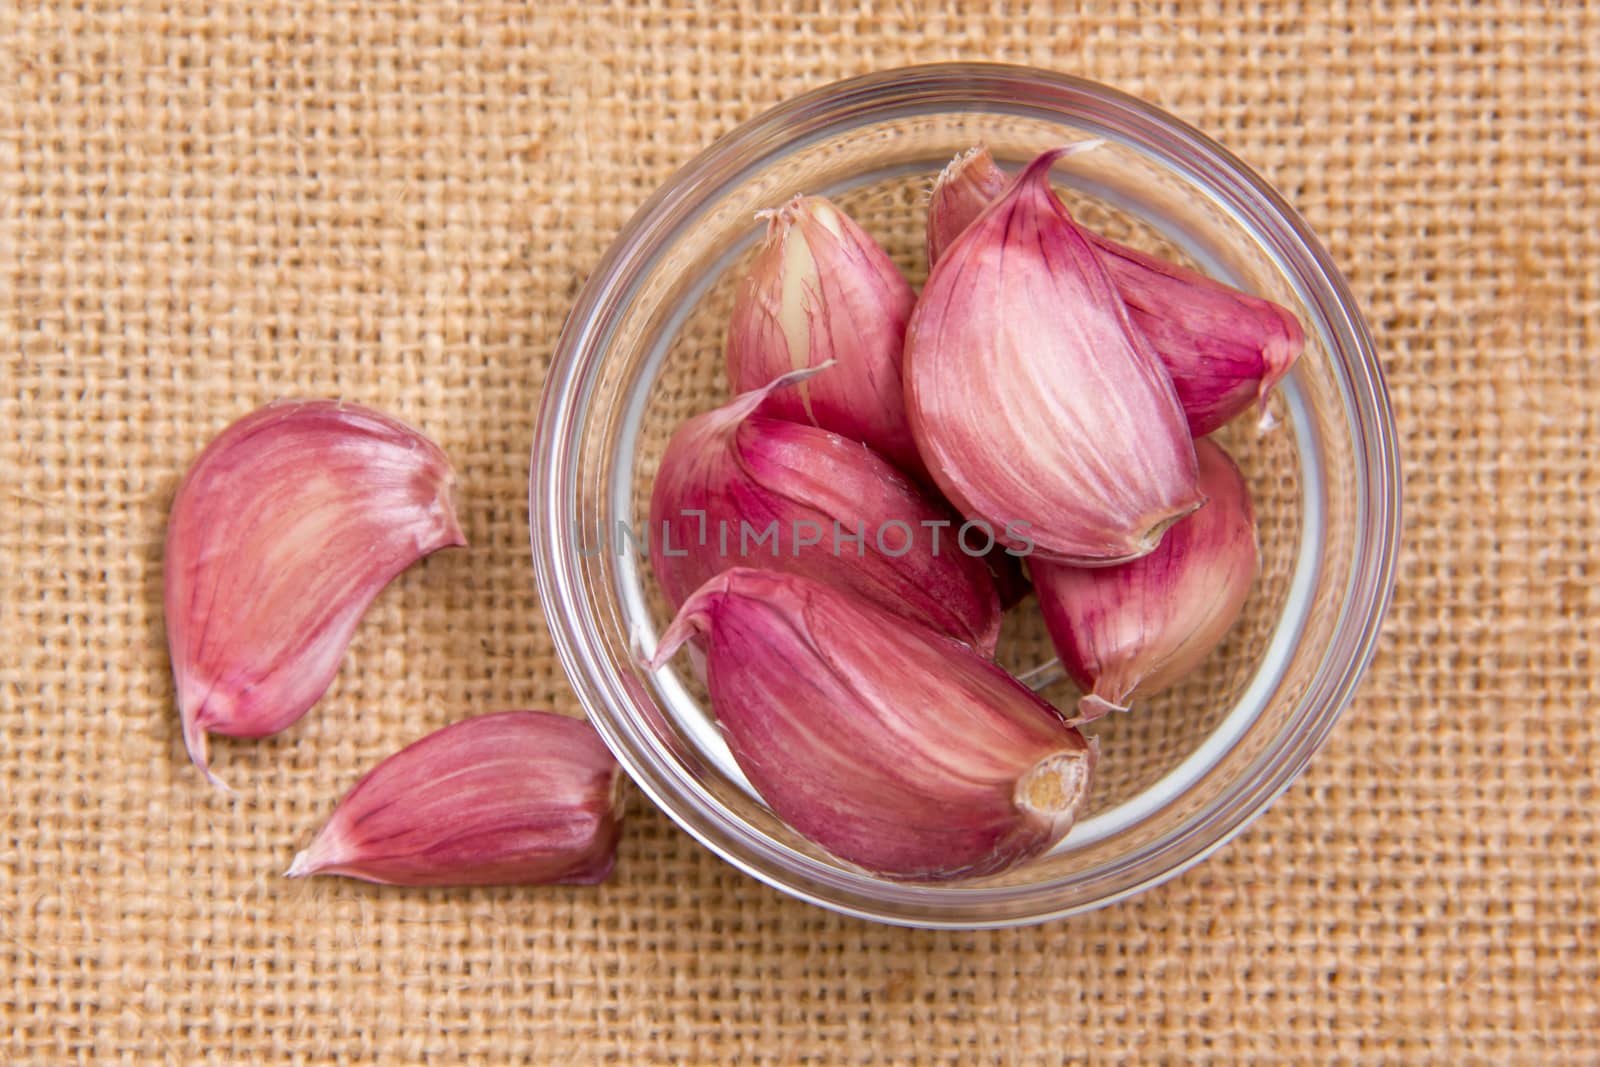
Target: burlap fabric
(205,206)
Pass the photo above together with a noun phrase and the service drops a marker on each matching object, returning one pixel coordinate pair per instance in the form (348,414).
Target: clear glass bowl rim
(902,93)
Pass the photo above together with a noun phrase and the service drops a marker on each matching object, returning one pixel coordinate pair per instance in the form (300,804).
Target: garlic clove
(822,289)
(1145,624)
(1035,403)
(738,488)
(517,797)
(1223,348)
(283,531)
(895,748)
(968,184)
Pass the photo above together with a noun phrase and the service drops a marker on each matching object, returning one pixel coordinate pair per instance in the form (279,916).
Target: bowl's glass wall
(643,352)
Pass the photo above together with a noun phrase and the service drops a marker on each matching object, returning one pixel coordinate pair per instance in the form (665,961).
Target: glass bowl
(642,352)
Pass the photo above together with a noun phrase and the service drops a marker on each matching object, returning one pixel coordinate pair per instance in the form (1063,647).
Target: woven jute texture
(204,206)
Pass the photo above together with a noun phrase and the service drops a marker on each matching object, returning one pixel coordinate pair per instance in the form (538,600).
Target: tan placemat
(206,206)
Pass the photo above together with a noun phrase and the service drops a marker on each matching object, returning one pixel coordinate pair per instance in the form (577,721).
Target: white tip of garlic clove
(1035,403)
(822,289)
(518,797)
(284,530)
(1143,625)
(895,748)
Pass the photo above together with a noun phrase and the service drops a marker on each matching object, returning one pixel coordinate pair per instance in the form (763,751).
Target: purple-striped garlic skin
(1035,403)
(894,747)
(282,533)
(517,797)
(1224,349)
(1140,627)
(738,488)
(968,184)
(820,290)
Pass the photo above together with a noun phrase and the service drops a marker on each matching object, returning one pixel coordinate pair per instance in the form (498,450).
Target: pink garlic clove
(822,289)
(968,184)
(895,748)
(1224,349)
(1144,625)
(518,797)
(737,488)
(1035,403)
(284,530)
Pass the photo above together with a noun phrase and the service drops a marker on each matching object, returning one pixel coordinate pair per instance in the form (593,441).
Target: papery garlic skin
(895,748)
(1223,348)
(1144,625)
(734,470)
(822,289)
(284,530)
(1033,400)
(968,184)
(517,797)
